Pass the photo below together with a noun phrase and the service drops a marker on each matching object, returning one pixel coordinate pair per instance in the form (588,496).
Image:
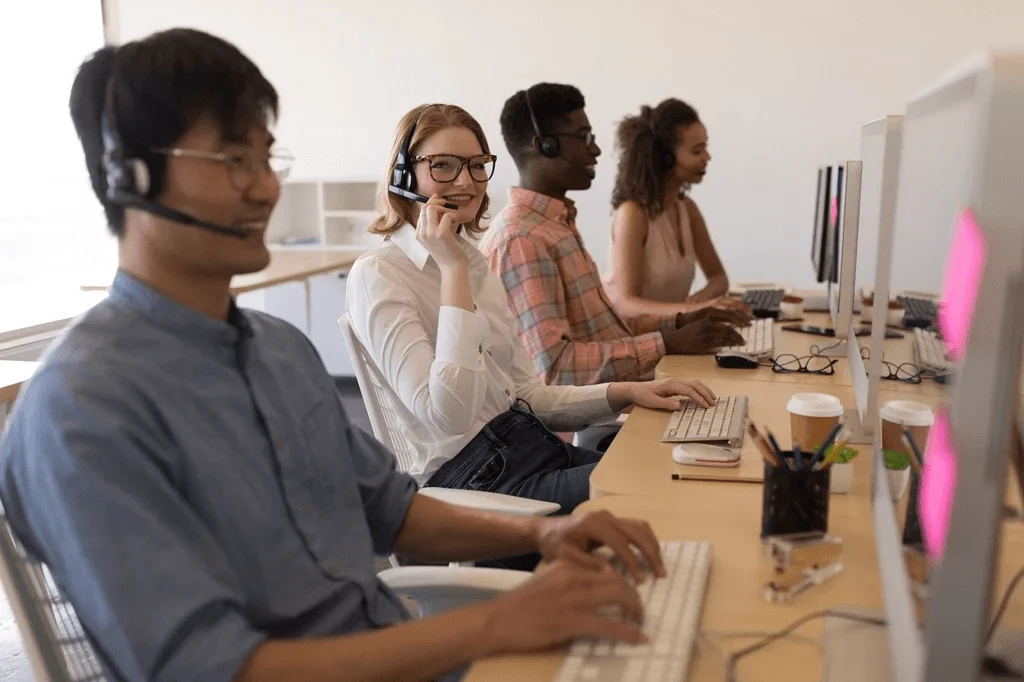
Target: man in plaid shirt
(566,320)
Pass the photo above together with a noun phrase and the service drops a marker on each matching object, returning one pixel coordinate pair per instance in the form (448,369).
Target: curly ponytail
(646,145)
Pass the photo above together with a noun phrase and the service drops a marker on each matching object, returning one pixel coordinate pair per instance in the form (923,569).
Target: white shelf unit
(325,212)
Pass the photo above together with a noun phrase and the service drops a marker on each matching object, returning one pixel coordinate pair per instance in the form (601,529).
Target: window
(53,236)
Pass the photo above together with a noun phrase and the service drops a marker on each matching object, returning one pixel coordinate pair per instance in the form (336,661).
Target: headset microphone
(128,178)
(176,216)
(403,180)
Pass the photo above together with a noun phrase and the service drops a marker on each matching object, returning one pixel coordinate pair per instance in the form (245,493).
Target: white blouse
(452,370)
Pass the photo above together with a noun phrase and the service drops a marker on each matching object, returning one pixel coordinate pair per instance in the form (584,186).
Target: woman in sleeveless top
(658,234)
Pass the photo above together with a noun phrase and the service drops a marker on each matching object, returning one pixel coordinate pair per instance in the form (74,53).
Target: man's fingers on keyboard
(620,543)
(696,396)
(641,535)
(619,598)
(603,627)
(583,559)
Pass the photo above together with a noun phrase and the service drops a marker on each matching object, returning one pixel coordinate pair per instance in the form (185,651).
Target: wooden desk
(13,374)
(728,515)
(704,367)
(638,463)
(286,265)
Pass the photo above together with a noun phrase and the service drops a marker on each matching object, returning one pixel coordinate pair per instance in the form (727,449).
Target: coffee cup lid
(815,405)
(907,413)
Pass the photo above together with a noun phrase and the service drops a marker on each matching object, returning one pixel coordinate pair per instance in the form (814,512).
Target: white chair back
(381,403)
(55,643)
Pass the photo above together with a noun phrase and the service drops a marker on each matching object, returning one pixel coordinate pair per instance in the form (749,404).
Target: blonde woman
(436,322)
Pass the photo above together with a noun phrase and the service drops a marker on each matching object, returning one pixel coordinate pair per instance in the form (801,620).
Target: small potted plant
(897,469)
(841,465)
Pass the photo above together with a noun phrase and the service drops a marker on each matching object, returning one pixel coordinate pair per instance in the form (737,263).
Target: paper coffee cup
(897,414)
(812,416)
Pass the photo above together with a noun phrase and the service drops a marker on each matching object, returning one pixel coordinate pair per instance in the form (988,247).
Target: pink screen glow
(938,486)
(833,212)
(964,268)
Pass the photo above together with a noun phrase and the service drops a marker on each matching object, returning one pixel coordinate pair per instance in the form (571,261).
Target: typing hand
(701,337)
(573,537)
(730,303)
(711,314)
(435,230)
(565,601)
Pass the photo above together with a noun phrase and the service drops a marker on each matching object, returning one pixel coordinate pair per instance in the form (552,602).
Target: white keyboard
(672,607)
(758,338)
(723,422)
(930,352)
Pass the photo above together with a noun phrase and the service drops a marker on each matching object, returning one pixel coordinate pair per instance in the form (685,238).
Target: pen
(778,450)
(830,438)
(915,454)
(821,457)
(797,457)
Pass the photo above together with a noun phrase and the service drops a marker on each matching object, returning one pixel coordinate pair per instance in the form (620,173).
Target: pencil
(778,450)
(766,451)
(912,451)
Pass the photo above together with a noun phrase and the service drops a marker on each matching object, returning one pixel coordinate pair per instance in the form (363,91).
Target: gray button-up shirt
(196,488)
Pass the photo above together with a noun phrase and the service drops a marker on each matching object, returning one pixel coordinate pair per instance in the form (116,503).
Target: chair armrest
(436,589)
(496,502)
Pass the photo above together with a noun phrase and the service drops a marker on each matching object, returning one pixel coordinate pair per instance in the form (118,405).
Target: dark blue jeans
(516,454)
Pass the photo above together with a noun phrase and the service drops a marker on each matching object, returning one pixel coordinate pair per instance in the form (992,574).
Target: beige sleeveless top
(668,272)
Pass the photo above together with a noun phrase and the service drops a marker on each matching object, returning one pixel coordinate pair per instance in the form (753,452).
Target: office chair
(59,651)
(382,406)
(55,643)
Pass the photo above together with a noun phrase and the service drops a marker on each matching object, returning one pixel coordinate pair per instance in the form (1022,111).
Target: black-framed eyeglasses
(588,136)
(447,167)
(808,364)
(243,167)
(907,372)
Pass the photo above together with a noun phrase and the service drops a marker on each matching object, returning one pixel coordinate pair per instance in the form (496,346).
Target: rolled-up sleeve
(385,492)
(151,586)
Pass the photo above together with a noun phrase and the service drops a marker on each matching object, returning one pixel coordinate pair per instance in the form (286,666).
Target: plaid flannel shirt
(566,320)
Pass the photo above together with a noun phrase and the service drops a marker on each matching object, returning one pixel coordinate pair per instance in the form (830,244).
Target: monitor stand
(851,422)
(857,652)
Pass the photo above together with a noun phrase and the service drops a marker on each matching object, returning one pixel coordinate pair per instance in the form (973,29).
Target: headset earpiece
(548,145)
(403,175)
(126,177)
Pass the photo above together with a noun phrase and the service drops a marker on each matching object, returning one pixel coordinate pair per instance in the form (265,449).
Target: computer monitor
(819,239)
(962,147)
(841,244)
(880,164)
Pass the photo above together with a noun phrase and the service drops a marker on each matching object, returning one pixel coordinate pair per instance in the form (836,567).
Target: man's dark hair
(162,85)
(551,103)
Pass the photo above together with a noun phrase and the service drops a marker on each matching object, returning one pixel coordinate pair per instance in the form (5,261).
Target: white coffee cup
(915,417)
(812,416)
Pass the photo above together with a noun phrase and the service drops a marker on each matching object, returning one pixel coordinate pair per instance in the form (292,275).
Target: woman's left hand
(661,394)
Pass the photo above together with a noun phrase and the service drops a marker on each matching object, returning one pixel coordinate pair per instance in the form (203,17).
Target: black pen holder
(794,501)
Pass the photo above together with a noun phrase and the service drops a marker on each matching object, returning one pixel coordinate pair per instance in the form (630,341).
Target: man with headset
(184,467)
(566,319)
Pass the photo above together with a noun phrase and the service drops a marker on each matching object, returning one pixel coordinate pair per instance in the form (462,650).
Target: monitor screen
(934,176)
(819,240)
(834,235)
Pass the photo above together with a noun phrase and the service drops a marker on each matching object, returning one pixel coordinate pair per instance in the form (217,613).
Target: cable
(1003,604)
(733,659)
(818,350)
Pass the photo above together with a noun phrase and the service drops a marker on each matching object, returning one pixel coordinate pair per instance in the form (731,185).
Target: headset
(128,178)
(549,144)
(403,179)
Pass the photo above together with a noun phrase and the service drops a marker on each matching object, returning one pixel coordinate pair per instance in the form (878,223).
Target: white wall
(783,86)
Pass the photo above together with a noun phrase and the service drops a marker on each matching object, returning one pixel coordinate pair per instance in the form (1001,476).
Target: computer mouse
(731,359)
(705,455)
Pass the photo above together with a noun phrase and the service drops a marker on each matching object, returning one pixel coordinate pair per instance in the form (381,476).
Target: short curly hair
(550,102)
(646,145)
